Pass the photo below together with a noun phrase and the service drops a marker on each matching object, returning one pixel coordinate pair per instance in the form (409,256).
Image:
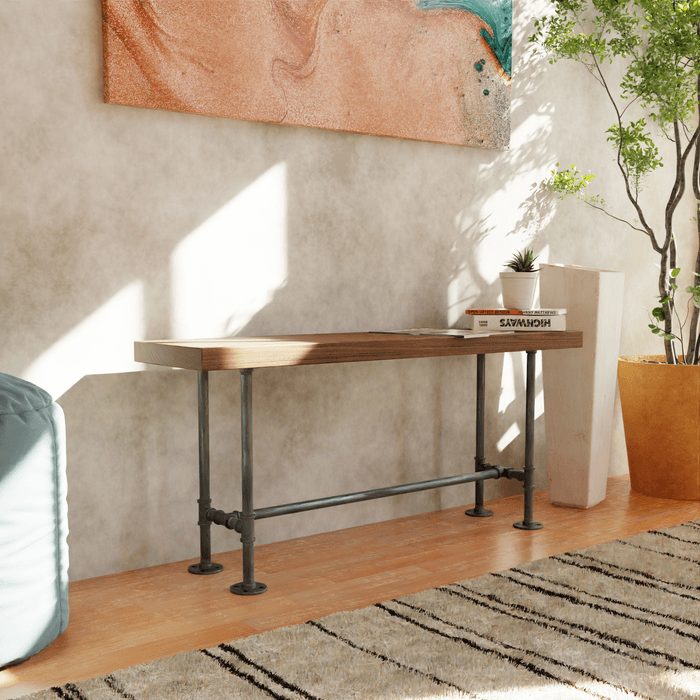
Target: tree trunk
(693,352)
(665,293)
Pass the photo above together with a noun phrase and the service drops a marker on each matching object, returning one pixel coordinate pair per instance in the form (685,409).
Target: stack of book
(516,319)
(485,322)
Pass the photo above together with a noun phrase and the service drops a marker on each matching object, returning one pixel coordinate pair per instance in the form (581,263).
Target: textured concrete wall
(121,223)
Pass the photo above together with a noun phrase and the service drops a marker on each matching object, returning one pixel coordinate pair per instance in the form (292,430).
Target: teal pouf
(33,520)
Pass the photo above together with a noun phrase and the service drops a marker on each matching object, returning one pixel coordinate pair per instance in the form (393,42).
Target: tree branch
(618,218)
(647,229)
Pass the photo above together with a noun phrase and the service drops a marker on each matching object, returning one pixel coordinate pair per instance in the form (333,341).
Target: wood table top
(292,350)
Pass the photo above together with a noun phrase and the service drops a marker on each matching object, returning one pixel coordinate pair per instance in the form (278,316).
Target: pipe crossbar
(371,494)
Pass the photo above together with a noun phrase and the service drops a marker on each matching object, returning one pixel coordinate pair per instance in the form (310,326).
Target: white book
(516,323)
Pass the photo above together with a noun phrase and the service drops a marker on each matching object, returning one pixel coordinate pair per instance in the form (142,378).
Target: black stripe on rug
(568,628)
(661,533)
(228,666)
(276,678)
(69,691)
(659,551)
(601,608)
(112,684)
(649,580)
(512,659)
(387,659)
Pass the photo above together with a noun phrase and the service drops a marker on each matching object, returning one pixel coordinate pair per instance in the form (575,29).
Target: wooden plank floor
(137,616)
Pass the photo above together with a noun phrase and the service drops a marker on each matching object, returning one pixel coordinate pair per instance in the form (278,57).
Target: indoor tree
(658,43)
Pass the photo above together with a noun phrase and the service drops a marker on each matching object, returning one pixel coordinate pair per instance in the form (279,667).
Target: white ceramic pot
(518,289)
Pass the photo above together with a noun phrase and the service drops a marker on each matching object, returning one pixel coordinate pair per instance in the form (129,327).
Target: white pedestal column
(579,385)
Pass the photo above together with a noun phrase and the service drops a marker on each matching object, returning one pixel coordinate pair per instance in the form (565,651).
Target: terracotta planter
(661,414)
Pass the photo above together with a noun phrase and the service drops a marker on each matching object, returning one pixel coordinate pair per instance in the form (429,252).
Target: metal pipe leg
(205,565)
(527,523)
(478,511)
(247,517)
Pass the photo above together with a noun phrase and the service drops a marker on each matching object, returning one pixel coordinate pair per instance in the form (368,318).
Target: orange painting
(430,70)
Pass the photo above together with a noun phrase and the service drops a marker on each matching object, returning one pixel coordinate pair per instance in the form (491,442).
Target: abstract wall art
(429,70)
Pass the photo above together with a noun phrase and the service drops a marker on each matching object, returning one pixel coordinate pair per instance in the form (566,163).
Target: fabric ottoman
(33,520)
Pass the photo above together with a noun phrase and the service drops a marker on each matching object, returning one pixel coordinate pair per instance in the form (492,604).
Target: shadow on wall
(509,212)
(179,225)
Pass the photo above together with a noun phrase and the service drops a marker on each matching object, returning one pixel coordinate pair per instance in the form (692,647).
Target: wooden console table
(247,354)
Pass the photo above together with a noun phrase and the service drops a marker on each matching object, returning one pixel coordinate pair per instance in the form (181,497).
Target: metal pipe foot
(532,525)
(254,588)
(205,568)
(479,512)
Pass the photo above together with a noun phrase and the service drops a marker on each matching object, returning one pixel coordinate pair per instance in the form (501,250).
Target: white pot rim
(522,275)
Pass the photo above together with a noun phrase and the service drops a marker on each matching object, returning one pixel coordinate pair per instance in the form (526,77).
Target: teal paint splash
(498,14)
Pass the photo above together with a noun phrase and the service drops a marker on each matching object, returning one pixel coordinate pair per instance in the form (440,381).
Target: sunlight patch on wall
(509,379)
(507,216)
(103,343)
(507,383)
(508,437)
(520,208)
(539,402)
(230,267)
(456,303)
(513,388)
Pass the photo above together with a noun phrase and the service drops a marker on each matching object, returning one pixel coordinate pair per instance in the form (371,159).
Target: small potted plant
(520,282)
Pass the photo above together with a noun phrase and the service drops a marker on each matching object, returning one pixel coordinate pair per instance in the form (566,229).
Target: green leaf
(675,271)
(570,184)
(523,261)
(637,151)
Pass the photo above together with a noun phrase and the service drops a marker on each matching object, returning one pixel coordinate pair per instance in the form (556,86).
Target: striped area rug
(619,620)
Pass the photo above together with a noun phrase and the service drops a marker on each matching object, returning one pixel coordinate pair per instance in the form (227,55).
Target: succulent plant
(523,261)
